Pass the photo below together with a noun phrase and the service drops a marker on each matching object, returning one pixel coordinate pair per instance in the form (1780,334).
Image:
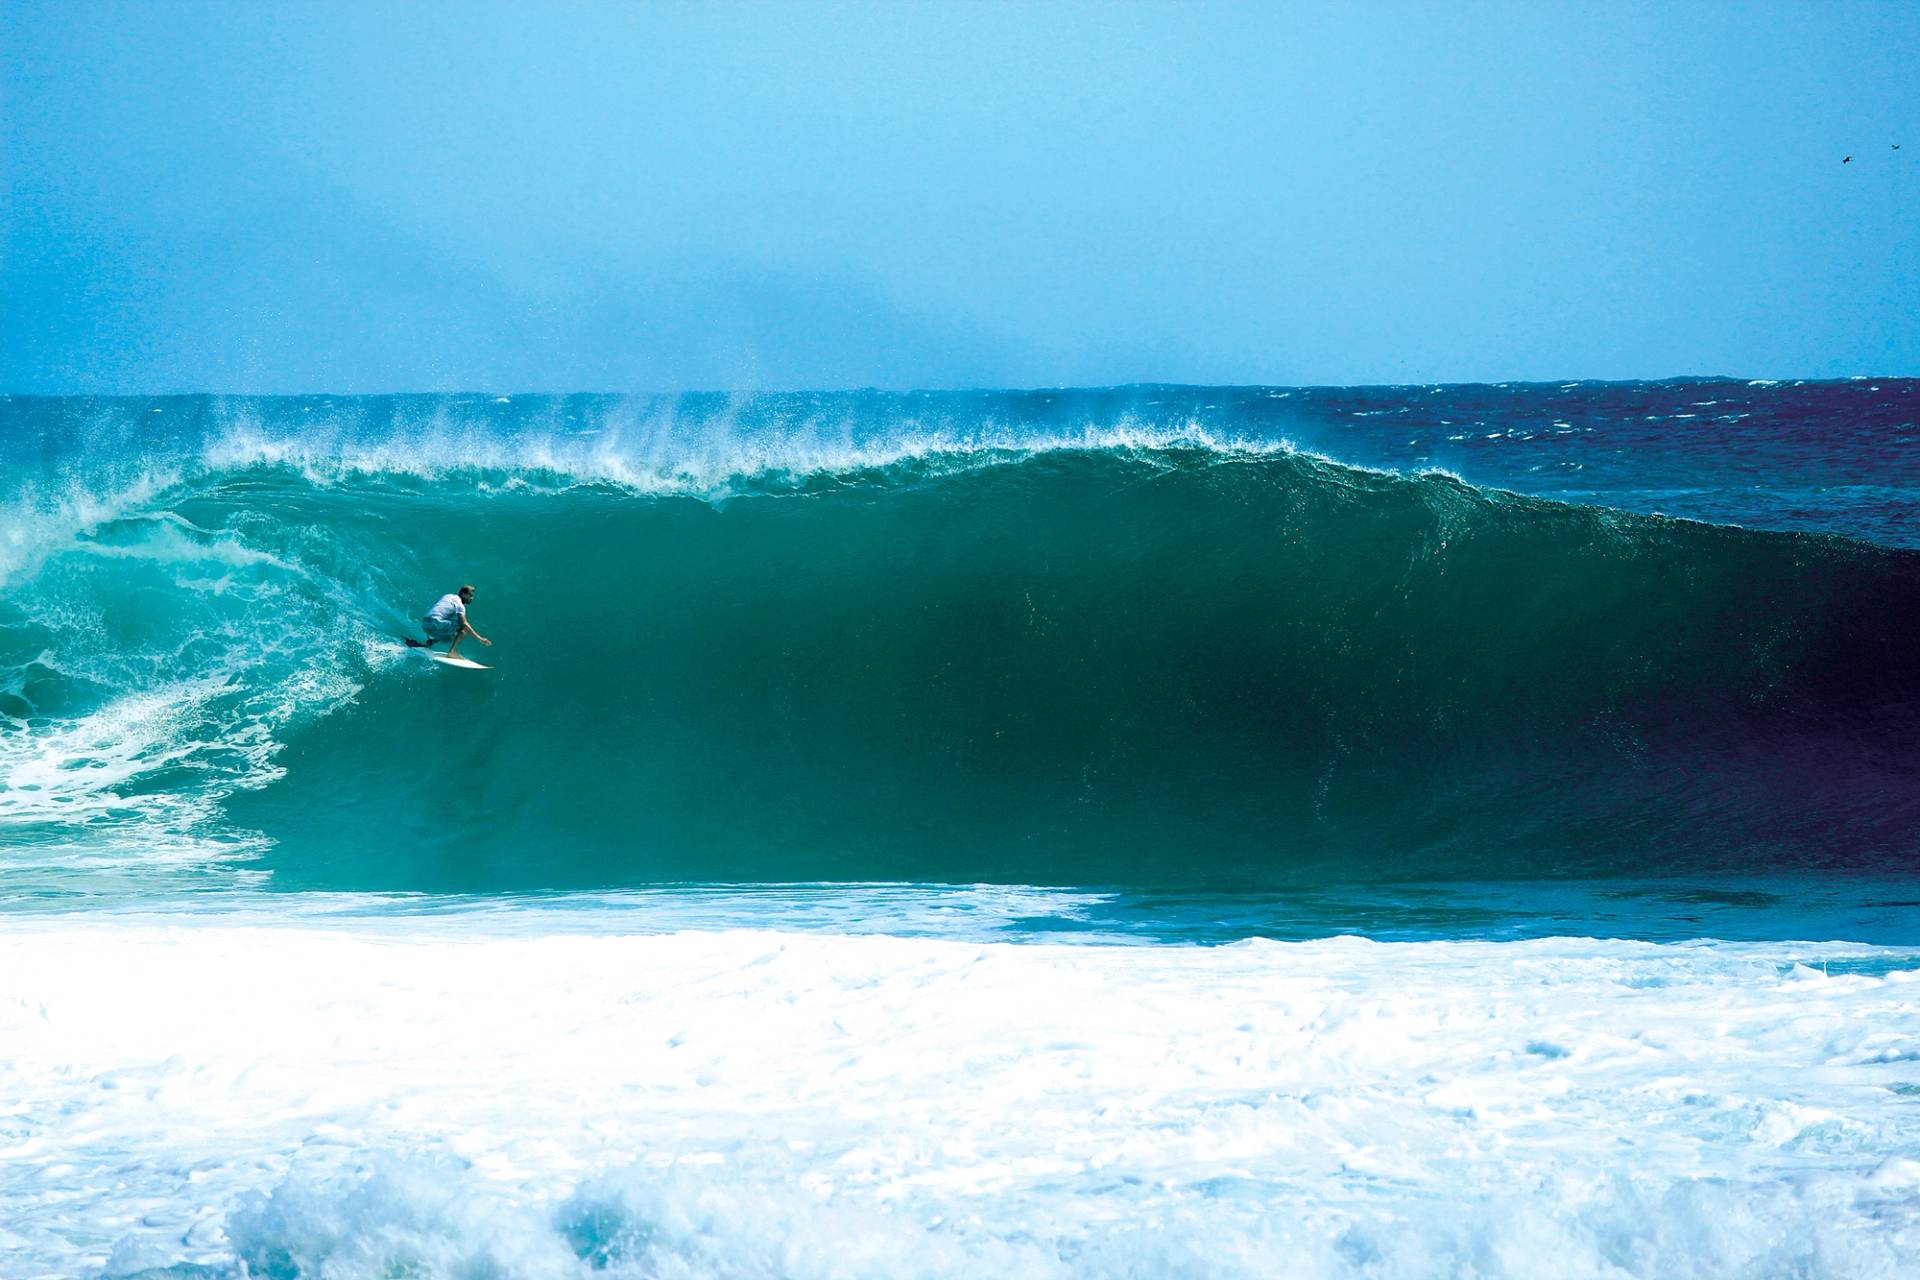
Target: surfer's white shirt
(449,609)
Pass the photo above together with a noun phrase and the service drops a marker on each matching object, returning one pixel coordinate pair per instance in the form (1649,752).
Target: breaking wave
(1127,655)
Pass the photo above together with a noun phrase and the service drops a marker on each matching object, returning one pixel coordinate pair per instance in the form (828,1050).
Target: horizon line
(978,389)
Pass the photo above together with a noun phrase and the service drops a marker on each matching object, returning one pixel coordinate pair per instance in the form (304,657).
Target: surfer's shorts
(440,628)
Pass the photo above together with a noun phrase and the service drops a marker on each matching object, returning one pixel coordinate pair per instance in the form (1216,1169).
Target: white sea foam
(41,518)
(171,672)
(483,1094)
(716,464)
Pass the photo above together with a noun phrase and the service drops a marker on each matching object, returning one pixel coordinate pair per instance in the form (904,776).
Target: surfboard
(468,663)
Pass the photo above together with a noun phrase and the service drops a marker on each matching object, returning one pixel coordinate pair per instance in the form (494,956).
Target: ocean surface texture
(1160,831)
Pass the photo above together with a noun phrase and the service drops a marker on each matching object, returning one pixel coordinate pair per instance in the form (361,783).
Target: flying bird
(1848,160)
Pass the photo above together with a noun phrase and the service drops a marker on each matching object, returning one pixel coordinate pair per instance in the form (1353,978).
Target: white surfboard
(446,661)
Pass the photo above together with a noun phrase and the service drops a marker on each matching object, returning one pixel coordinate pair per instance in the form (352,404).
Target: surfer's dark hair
(466,589)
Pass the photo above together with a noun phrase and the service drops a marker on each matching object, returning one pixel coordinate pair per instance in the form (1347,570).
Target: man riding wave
(447,620)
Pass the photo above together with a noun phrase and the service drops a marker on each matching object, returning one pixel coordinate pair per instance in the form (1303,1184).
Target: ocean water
(1156,831)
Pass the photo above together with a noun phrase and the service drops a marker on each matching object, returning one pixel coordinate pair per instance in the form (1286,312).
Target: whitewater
(1155,831)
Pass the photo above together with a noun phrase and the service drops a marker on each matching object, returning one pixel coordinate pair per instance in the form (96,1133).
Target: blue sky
(340,197)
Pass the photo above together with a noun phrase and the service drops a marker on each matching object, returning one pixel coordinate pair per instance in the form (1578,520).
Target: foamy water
(517,1094)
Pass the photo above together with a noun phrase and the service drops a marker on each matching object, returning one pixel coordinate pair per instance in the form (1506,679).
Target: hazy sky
(274,197)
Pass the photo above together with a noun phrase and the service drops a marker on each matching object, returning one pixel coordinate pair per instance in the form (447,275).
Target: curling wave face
(1131,652)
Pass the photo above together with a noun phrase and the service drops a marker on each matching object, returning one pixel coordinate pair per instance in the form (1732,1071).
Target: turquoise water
(1154,637)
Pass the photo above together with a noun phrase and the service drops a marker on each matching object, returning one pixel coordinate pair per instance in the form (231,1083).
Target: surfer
(447,620)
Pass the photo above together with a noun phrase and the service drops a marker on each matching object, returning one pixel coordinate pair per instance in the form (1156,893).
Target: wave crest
(1137,662)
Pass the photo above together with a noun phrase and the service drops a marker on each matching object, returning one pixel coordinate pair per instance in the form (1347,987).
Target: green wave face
(1095,666)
